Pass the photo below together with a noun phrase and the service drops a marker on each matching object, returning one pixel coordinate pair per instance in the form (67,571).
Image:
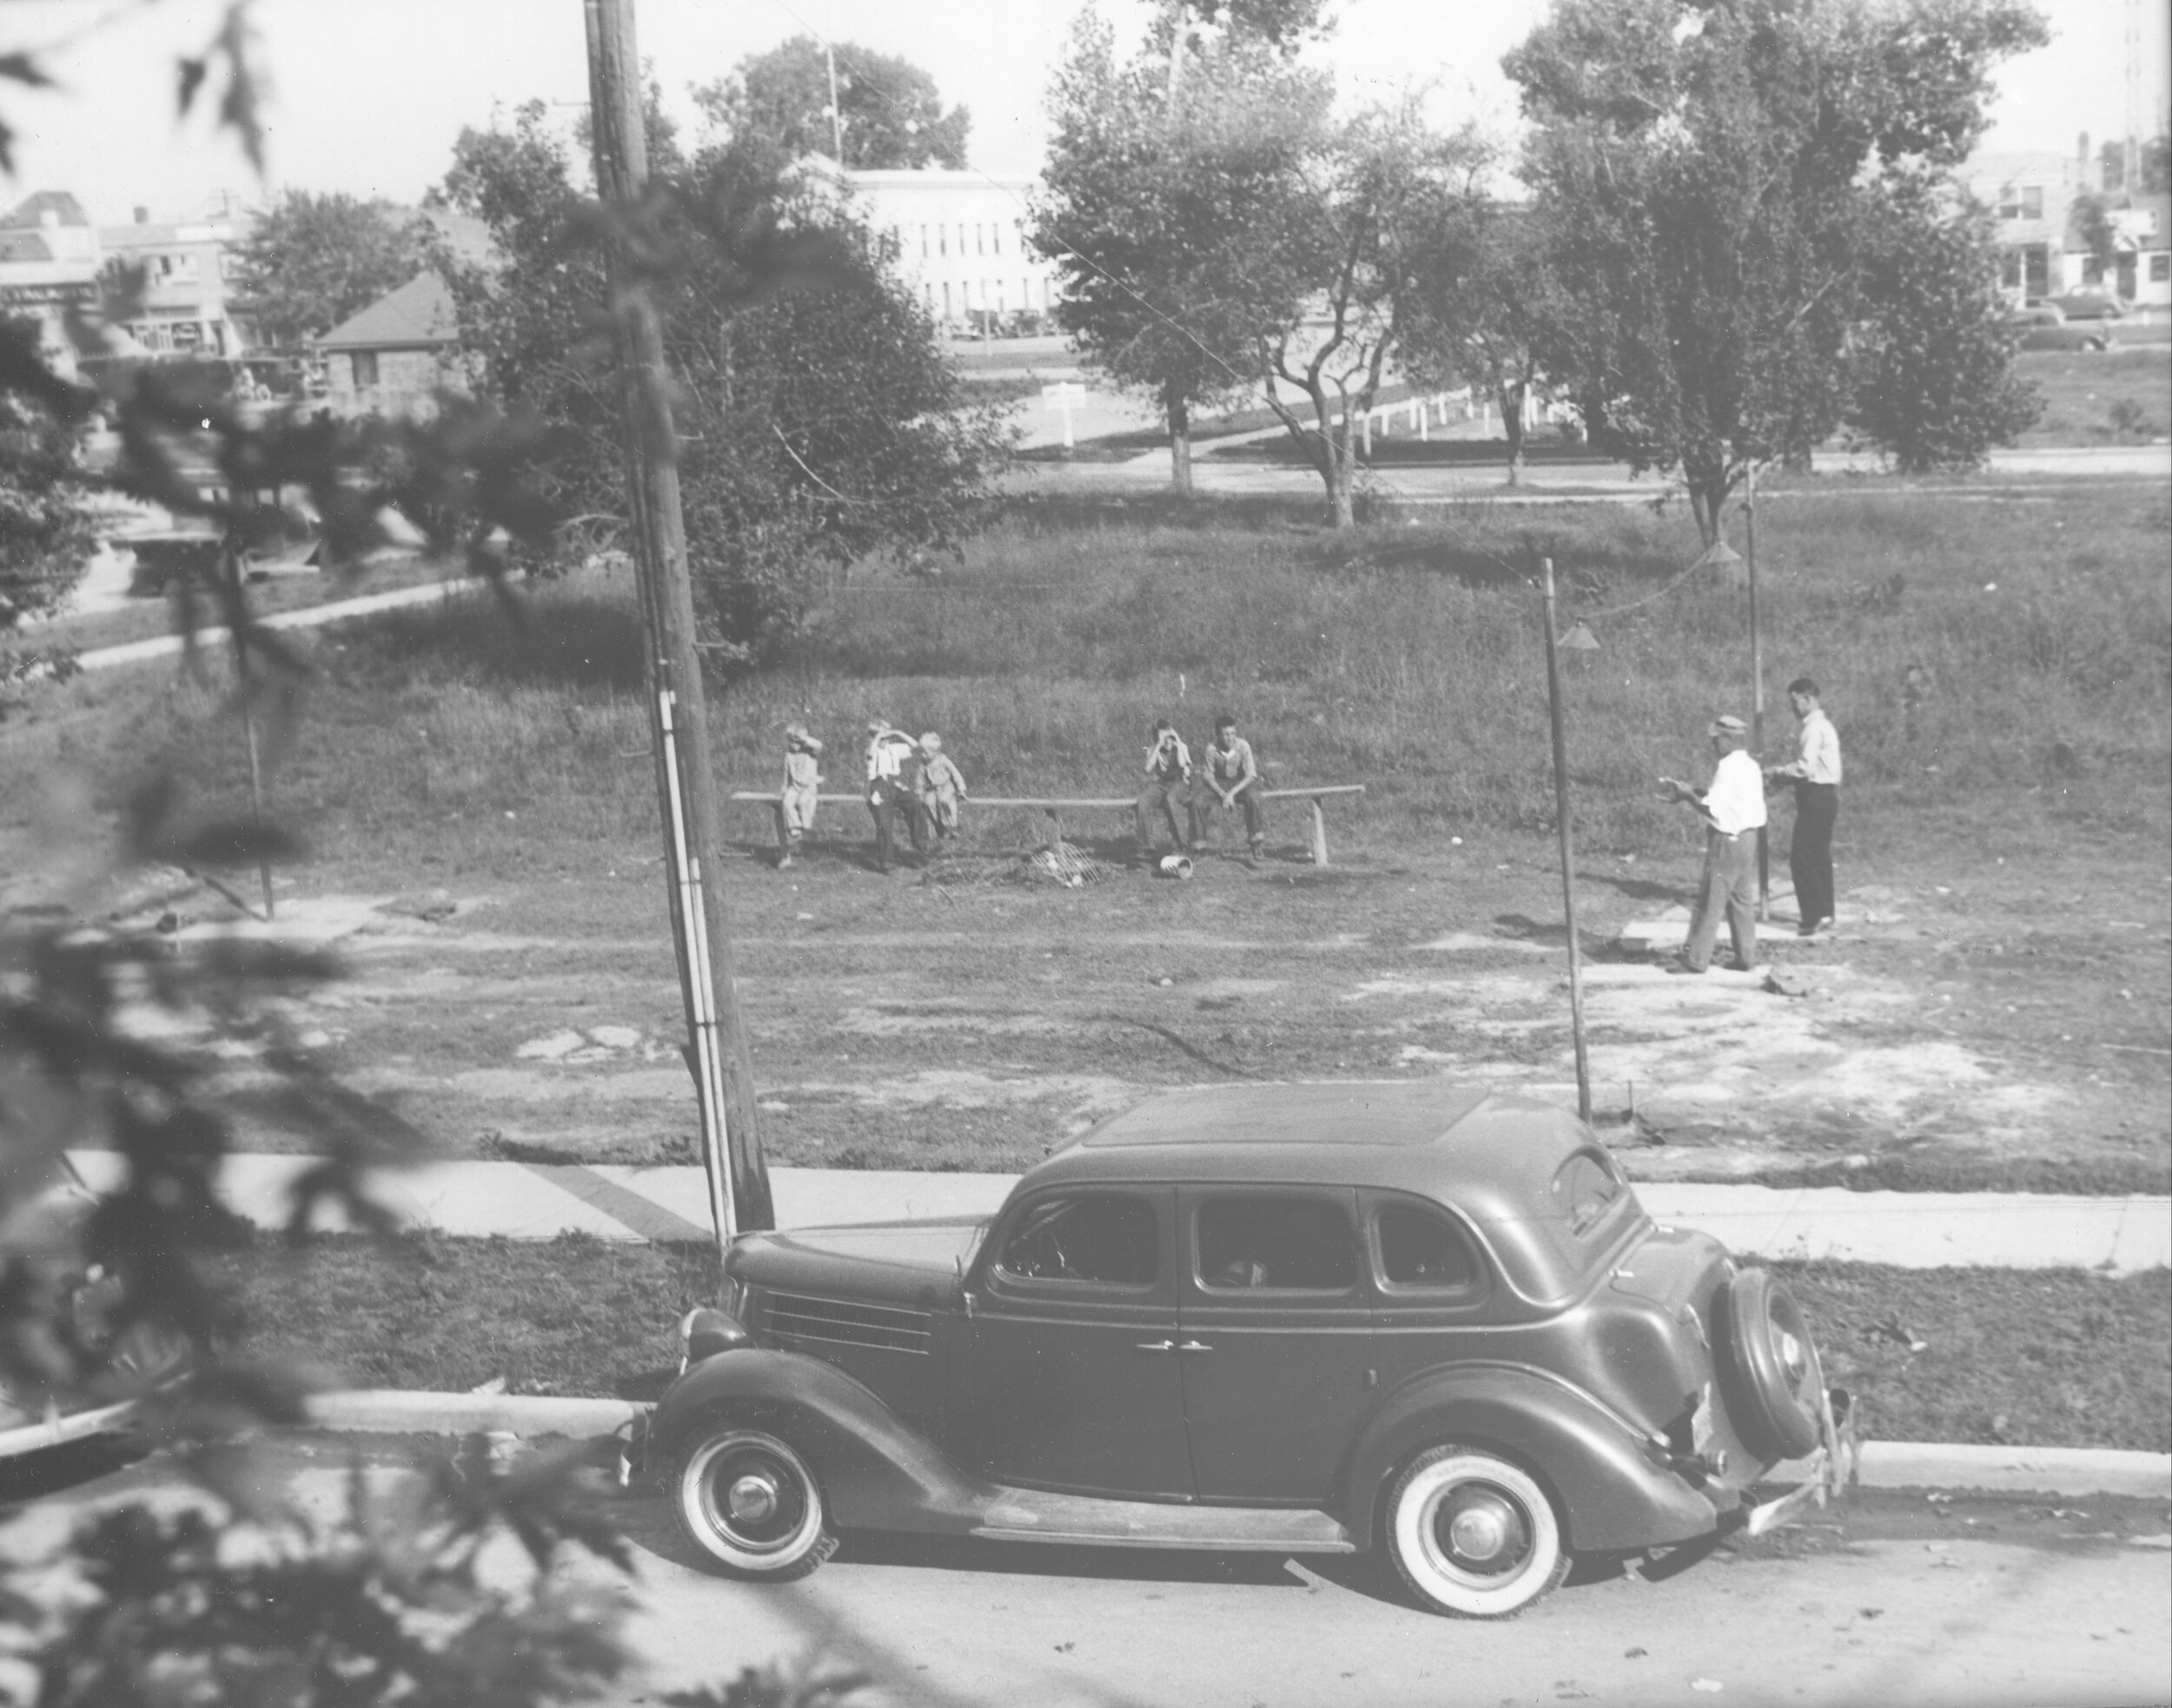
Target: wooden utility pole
(1568,855)
(679,715)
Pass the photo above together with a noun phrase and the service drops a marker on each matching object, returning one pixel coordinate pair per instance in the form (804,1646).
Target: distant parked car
(2045,328)
(1420,1317)
(2037,312)
(2089,305)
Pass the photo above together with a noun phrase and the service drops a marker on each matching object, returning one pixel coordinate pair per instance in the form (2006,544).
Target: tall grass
(1407,656)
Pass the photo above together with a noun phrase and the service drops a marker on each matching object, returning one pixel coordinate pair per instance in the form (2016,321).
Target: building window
(2092,270)
(2021,201)
(923,243)
(365,365)
(942,239)
(2160,268)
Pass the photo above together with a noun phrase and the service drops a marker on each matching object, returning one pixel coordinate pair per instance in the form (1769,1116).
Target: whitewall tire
(747,1501)
(1473,1534)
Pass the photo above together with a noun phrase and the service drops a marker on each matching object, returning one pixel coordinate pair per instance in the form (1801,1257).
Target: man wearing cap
(1733,807)
(803,784)
(1815,772)
(887,750)
(941,785)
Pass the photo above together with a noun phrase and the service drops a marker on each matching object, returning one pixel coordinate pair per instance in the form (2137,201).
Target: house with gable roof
(394,357)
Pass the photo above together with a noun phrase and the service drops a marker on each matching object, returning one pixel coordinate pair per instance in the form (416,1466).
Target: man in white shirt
(1733,807)
(1816,774)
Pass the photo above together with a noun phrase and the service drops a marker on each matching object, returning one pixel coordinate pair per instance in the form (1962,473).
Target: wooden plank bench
(1056,805)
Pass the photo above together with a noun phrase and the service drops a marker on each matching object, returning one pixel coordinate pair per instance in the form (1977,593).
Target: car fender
(1614,1488)
(875,1470)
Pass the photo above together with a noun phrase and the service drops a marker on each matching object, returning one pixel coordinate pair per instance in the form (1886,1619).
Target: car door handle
(1156,1346)
(1195,1346)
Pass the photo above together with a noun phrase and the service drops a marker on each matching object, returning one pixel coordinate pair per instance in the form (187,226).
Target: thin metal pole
(256,805)
(1756,691)
(708,1063)
(1568,855)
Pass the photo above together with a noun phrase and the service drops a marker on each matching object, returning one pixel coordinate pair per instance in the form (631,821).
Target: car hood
(914,1262)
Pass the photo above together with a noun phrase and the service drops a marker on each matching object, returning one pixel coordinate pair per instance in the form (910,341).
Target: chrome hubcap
(1483,1529)
(751,1498)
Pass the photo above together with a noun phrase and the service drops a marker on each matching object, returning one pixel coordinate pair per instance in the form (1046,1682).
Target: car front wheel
(1473,1534)
(748,1501)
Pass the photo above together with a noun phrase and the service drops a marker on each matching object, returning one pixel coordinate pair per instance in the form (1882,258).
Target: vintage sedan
(1418,1316)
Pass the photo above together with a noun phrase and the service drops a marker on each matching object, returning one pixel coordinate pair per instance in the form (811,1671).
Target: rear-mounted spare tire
(1768,1372)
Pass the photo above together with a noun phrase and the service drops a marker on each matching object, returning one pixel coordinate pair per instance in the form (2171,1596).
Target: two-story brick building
(188,306)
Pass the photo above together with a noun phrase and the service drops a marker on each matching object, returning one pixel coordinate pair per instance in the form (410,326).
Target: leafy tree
(1933,370)
(889,111)
(1370,199)
(1168,216)
(312,259)
(817,426)
(241,1596)
(1482,304)
(45,535)
(1714,179)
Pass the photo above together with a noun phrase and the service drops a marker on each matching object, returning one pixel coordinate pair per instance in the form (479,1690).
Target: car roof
(1489,1152)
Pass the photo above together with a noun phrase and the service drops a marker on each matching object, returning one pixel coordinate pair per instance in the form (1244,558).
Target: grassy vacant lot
(1997,1012)
(2118,395)
(2042,1357)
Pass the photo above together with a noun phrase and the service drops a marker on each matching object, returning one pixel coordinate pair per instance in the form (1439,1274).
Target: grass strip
(2041,1358)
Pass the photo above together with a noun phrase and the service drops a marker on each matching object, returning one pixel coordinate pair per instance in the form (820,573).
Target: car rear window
(1267,1240)
(1089,1237)
(1421,1248)
(1586,1190)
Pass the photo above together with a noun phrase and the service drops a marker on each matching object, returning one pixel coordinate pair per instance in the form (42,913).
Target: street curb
(2063,1470)
(385,1410)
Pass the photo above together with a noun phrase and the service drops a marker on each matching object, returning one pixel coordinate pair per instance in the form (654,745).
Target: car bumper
(1827,1473)
(58,1430)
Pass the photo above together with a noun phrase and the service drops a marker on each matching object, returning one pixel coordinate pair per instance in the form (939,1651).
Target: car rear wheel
(1473,1534)
(1773,1381)
(748,1501)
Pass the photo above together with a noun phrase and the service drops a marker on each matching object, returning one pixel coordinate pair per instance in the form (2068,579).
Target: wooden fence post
(1319,833)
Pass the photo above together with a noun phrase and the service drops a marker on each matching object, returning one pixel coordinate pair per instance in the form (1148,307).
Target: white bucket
(1175,865)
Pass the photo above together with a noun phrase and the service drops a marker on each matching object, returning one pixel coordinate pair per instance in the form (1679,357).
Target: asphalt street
(1892,1598)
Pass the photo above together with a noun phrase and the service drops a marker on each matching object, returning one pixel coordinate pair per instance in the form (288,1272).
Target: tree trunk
(1512,425)
(1180,443)
(1339,472)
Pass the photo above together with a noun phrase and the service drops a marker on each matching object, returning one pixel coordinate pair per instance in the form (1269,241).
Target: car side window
(1584,1188)
(1263,1240)
(1088,1236)
(1423,1248)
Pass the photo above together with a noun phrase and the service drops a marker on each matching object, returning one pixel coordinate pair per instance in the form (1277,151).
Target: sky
(368,96)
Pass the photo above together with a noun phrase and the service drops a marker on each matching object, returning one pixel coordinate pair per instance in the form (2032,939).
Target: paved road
(1896,1601)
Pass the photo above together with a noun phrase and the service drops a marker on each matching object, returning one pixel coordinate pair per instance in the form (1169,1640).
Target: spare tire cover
(1768,1372)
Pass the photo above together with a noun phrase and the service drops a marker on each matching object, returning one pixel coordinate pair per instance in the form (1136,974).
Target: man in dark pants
(1815,772)
(1232,780)
(887,750)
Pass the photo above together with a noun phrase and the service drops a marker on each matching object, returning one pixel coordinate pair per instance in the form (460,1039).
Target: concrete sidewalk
(1916,1230)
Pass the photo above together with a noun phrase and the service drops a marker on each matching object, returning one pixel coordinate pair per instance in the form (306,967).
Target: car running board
(1030,1515)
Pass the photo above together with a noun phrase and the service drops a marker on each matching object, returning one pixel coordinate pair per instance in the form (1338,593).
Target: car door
(1072,1379)
(1276,1327)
